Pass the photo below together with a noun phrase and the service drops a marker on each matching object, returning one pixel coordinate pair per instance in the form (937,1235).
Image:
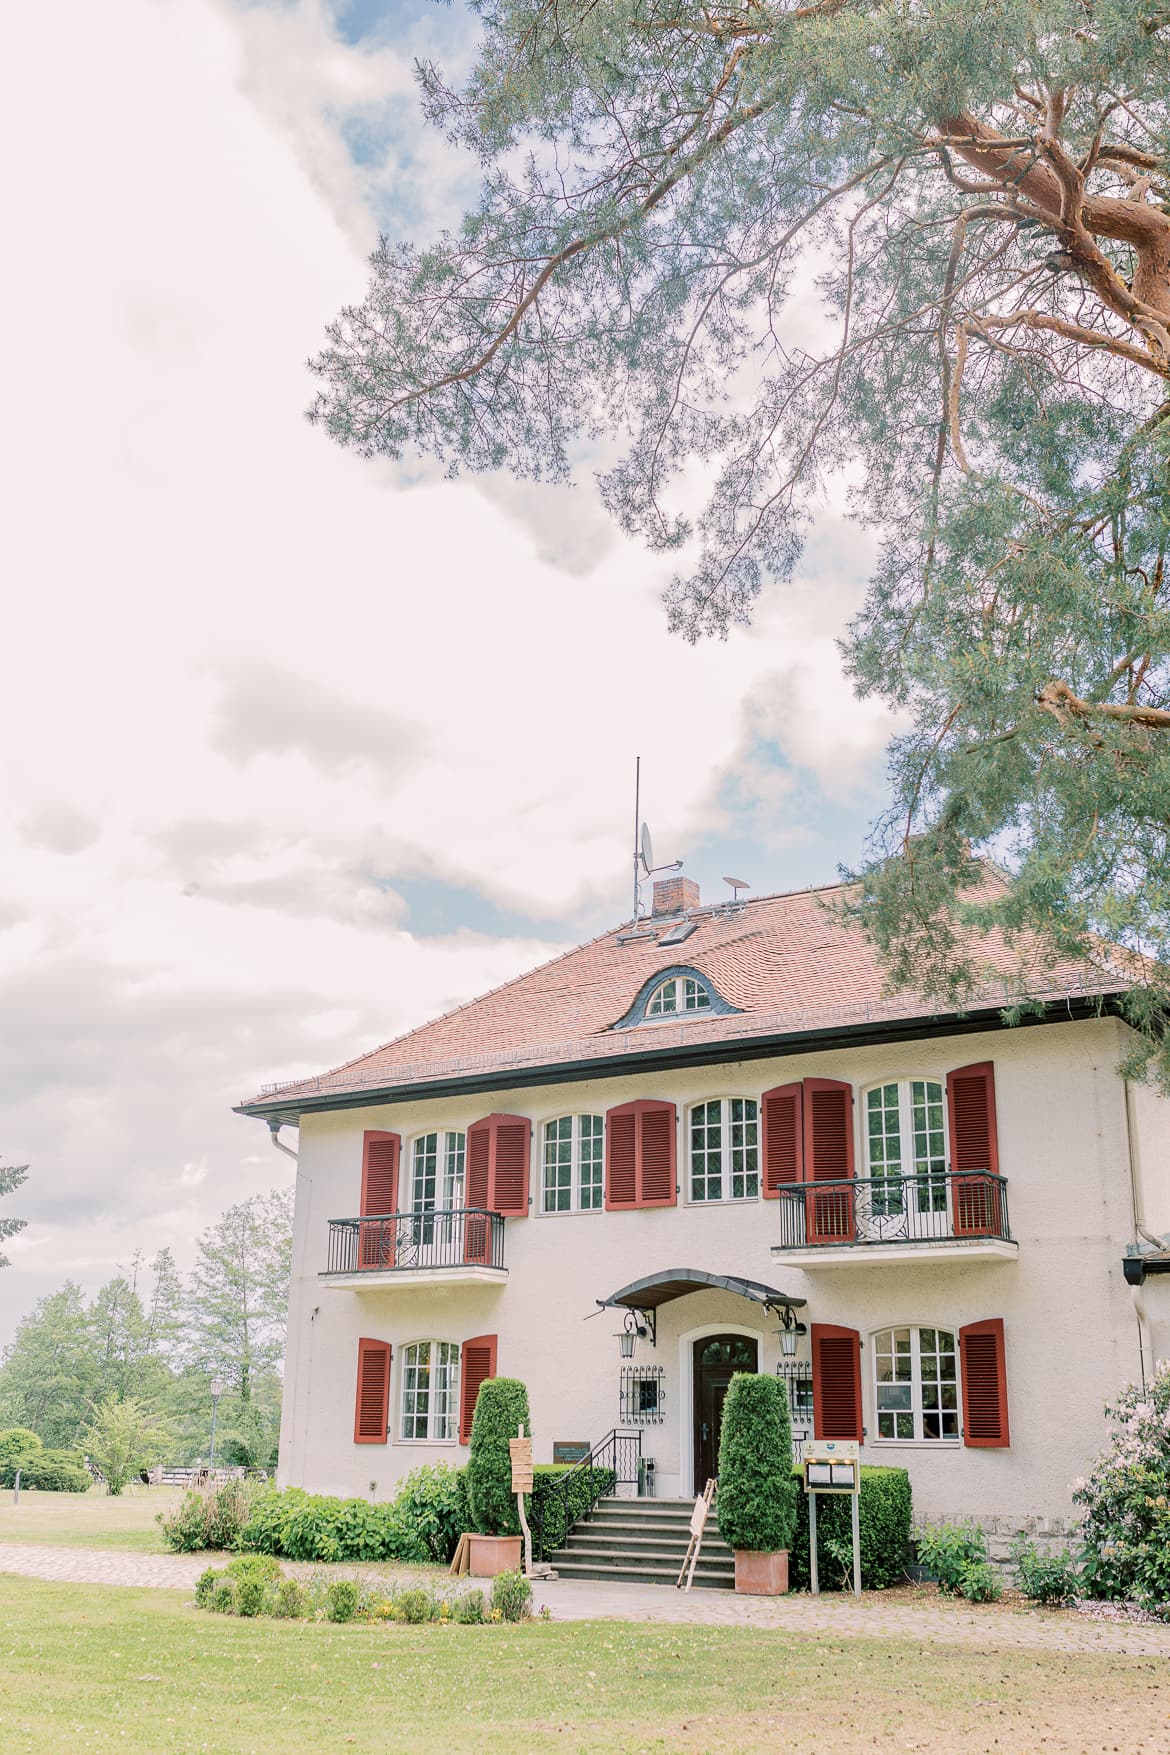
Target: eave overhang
(721,1052)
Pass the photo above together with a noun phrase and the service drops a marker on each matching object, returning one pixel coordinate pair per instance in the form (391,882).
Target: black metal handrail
(562,1500)
(400,1242)
(929,1207)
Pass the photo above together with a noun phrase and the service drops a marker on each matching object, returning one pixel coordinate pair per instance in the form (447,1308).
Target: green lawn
(143,1672)
(89,1520)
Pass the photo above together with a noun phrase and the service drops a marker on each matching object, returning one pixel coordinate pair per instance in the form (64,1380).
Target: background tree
(52,1369)
(123,1437)
(984,189)
(11,1177)
(237,1310)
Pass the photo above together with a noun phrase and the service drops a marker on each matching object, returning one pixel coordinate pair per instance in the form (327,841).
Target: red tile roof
(785,962)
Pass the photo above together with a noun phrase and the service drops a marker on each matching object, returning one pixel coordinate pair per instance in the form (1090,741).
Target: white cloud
(252,682)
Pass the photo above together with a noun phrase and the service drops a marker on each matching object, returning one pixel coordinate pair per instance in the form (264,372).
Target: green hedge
(757,1502)
(500,1408)
(55,1471)
(422,1522)
(884,1515)
(546,1509)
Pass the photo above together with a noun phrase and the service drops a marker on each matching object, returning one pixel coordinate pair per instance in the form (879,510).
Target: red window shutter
(511,1143)
(657,1123)
(984,1369)
(975,1148)
(782,1111)
(477,1364)
(479,1156)
(828,1157)
(621,1159)
(380,1157)
(372,1410)
(836,1363)
(640,1155)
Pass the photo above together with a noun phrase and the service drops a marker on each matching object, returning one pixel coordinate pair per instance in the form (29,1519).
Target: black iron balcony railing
(399,1242)
(935,1207)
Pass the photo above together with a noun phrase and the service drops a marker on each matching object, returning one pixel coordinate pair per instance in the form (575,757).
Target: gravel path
(875,1616)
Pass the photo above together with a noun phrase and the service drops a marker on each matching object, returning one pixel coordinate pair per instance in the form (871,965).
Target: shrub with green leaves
(512,1596)
(1045,1578)
(341,1600)
(55,1471)
(290,1602)
(415,1606)
(430,1512)
(500,1409)
(124,1437)
(205,1587)
(956,1555)
(209,1517)
(17,1447)
(250,1596)
(884,1514)
(223,1597)
(315,1526)
(1126,1501)
(561,1494)
(470,1609)
(757,1499)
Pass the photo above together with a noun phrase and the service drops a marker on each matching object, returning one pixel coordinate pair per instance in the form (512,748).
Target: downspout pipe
(274,1128)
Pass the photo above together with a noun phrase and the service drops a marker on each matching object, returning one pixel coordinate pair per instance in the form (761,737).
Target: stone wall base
(1050,1535)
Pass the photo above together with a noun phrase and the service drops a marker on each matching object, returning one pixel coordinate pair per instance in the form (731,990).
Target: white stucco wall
(1071,1330)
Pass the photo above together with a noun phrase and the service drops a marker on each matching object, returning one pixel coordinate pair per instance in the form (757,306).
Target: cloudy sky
(302,750)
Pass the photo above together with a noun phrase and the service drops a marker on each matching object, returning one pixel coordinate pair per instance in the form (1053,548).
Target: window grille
(643,1395)
(797,1373)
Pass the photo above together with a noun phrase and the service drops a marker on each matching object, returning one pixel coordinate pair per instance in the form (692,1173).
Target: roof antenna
(644,865)
(737,884)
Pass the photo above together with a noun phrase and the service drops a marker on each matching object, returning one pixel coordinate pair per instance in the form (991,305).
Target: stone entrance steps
(643,1541)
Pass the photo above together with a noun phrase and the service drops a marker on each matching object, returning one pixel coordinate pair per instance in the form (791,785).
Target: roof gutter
(276,1110)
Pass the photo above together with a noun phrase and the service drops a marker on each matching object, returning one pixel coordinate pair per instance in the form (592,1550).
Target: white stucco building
(716,1119)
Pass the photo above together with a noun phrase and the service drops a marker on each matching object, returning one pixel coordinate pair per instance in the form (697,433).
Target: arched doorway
(717,1359)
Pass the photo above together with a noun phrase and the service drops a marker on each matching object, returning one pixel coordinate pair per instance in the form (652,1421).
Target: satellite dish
(647,849)
(737,884)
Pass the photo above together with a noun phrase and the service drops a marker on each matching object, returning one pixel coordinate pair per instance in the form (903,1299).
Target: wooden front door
(717,1359)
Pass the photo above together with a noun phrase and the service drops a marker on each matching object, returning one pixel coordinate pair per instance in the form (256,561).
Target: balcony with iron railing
(936,1214)
(415,1248)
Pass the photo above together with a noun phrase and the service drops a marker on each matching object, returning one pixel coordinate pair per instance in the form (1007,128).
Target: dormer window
(682,993)
(679,993)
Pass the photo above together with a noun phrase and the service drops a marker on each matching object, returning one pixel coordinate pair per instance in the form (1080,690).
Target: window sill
(725,1200)
(430,1443)
(914,1443)
(569,1212)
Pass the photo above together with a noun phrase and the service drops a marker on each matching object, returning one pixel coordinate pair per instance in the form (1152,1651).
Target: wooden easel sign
(698,1524)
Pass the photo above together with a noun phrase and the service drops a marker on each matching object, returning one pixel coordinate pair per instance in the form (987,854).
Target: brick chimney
(674,895)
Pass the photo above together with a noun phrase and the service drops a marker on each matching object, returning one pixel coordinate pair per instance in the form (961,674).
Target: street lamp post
(217,1388)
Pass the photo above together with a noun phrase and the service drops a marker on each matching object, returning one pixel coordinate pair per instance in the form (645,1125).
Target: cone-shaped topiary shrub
(501,1407)
(757,1498)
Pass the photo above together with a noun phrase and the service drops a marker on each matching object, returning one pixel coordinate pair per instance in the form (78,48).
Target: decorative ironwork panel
(643,1395)
(932,1207)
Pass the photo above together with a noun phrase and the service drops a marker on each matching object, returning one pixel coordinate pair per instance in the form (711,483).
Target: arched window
(723,1143)
(430,1392)
(916,1385)
(573,1172)
(906,1146)
(681,993)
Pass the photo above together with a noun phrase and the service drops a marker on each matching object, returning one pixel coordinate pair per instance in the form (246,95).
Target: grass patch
(89,1520)
(85,1668)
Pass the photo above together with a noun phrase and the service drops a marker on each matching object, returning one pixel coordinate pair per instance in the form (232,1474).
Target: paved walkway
(875,1616)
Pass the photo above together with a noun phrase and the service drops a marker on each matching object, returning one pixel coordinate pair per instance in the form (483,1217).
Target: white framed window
(916,1385)
(682,993)
(574,1164)
(436,1172)
(906,1147)
(723,1142)
(430,1392)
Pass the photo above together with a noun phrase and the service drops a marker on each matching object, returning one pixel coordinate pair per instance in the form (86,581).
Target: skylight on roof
(678,933)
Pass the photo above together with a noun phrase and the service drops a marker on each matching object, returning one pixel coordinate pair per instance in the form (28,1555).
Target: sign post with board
(520,1451)
(832,1466)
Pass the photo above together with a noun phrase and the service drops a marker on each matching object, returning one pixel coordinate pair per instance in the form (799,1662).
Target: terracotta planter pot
(761,1575)
(492,1554)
